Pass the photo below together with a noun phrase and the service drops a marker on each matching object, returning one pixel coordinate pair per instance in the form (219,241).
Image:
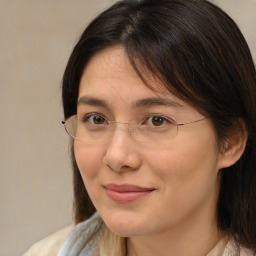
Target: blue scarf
(83,239)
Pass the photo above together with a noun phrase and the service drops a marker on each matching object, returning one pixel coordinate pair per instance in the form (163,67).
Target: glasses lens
(81,128)
(71,126)
(158,129)
(154,129)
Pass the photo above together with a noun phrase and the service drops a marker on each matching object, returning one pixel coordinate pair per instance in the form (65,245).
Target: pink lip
(126,193)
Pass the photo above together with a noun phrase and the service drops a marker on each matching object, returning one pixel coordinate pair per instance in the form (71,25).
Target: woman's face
(143,188)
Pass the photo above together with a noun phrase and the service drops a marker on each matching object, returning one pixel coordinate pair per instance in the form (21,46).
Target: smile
(126,193)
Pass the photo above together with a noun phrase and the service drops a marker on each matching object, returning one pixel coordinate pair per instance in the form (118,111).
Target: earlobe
(234,146)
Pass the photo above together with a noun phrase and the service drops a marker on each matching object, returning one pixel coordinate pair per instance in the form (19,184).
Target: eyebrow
(84,100)
(146,102)
(154,102)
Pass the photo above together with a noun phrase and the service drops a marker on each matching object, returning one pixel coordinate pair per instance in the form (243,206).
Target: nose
(122,151)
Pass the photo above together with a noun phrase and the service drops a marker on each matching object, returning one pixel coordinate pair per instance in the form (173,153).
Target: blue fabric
(83,239)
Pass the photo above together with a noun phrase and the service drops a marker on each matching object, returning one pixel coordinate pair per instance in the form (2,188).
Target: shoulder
(50,245)
(234,249)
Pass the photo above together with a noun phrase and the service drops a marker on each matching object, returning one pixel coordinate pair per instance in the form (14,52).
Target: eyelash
(85,118)
(164,118)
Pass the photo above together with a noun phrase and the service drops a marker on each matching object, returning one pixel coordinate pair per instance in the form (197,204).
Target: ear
(234,145)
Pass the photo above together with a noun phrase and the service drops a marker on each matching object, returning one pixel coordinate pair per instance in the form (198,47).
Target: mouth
(126,193)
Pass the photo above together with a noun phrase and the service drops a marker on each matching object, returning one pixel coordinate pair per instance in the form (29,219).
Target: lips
(126,193)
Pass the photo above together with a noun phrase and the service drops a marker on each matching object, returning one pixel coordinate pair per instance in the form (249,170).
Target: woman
(159,97)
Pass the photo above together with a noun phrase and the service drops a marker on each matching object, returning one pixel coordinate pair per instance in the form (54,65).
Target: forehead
(109,72)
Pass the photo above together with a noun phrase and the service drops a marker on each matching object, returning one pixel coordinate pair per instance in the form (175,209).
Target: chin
(124,226)
(124,231)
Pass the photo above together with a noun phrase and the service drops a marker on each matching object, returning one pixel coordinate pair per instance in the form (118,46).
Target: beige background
(35,178)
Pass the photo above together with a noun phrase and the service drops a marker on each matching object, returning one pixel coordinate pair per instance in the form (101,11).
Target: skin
(179,216)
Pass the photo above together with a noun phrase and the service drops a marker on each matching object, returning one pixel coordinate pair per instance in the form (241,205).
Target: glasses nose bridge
(116,123)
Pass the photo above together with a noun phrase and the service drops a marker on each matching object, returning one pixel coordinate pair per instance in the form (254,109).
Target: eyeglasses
(95,127)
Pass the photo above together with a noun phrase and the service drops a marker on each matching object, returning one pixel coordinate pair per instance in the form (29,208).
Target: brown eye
(157,120)
(95,119)
(98,119)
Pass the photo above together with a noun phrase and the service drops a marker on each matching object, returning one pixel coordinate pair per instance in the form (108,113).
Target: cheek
(188,179)
(187,165)
(88,158)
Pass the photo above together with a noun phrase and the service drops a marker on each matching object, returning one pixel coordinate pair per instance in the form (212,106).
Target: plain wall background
(35,42)
(35,178)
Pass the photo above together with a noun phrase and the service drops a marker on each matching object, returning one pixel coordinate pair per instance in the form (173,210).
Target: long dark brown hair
(200,55)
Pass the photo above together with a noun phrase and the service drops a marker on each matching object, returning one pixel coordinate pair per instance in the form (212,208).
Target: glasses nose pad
(130,129)
(114,124)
